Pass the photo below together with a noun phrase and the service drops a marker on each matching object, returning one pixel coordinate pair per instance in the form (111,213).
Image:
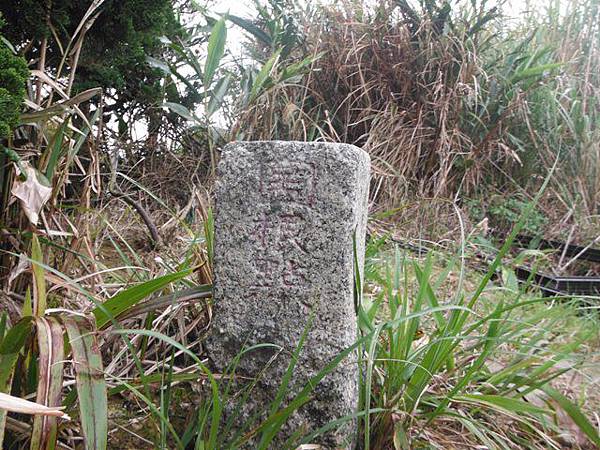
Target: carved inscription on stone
(286,214)
(287,193)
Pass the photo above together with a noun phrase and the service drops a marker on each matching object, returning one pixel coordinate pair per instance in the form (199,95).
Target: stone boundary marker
(285,216)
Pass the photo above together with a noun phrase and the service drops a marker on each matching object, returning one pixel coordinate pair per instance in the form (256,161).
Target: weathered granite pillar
(285,216)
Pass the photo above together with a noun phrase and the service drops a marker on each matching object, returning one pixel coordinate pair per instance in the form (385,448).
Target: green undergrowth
(447,358)
(452,355)
(465,373)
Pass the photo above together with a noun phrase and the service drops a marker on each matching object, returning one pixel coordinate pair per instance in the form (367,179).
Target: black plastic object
(553,285)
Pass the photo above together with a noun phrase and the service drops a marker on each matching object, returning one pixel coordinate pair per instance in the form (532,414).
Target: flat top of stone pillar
(333,149)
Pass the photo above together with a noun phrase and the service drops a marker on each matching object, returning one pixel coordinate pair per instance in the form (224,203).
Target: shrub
(13,76)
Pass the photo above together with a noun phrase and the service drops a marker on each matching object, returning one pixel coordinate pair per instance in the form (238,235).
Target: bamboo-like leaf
(297,68)
(61,107)
(51,355)
(217,95)
(113,307)
(39,281)
(91,387)
(55,149)
(262,76)
(216,49)
(10,347)
(181,110)
(534,72)
(209,235)
(8,44)
(160,303)
(158,64)
(84,132)
(251,28)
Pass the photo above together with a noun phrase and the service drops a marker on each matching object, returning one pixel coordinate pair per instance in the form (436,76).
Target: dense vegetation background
(112,117)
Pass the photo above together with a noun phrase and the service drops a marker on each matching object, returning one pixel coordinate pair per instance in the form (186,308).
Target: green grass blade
(269,433)
(574,413)
(120,303)
(39,281)
(263,75)
(507,404)
(215,397)
(488,347)
(55,149)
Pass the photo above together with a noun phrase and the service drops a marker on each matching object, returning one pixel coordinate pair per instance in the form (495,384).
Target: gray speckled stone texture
(285,215)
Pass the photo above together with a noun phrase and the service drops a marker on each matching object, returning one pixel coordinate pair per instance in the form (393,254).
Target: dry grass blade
(21,406)
(51,350)
(91,386)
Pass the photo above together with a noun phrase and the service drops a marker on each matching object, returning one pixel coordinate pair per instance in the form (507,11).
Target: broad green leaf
(181,110)
(251,28)
(216,49)
(39,281)
(297,68)
(534,72)
(27,304)
(89,377)
(209,234)
(160,303)
(120,303)
(61,107)
(158,64)
(8,44)
(56,149)
(85,131)
(217,95)
(11,345)
(262,76)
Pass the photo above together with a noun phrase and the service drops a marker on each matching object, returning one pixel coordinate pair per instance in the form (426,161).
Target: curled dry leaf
(19,405)
(33,191)
(22,266)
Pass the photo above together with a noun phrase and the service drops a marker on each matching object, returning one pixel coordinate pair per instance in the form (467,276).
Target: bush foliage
(13,77)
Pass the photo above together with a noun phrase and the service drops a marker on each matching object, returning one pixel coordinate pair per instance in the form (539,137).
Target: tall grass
(564,111)
(447,97)
(452,374)
(447,359)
